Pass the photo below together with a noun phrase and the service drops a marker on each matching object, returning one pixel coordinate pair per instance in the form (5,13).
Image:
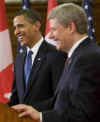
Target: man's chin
(22,44)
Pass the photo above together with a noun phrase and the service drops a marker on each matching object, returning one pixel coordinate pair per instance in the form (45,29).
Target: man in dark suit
(77,97)
(47,64)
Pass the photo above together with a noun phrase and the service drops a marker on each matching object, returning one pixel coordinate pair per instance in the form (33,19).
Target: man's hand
(25,110)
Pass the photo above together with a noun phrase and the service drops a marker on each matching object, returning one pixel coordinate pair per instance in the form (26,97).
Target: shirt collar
(35,48)
(75,46)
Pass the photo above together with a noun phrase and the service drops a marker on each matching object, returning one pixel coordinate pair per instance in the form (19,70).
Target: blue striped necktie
(28,66)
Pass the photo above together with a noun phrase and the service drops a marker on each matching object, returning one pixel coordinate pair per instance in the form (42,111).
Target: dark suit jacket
(43,79)
(77,98)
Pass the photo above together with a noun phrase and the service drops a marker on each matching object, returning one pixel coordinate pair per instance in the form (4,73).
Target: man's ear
(72,27)
(37,24)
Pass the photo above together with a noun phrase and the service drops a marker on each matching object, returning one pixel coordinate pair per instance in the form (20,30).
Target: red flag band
(6,70)
(51,5)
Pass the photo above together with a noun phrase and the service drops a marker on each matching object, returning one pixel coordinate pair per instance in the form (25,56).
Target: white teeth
(20,37)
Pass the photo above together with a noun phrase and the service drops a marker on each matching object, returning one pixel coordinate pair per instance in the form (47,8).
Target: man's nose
(16,31)
(50,35)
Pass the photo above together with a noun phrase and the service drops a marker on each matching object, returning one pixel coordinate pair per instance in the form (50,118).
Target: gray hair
(70,12)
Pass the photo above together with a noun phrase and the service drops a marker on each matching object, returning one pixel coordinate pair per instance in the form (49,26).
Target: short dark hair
(31,15)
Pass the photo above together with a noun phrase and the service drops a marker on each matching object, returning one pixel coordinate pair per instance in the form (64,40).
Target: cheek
(57,32)
(58,36)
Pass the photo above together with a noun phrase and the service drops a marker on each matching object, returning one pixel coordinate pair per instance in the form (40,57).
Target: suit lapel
(82,45)
(78,51)
(61,81)
(41,56)
(68,64)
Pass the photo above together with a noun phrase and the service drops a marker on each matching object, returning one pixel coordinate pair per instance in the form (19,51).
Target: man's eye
(53,29)
(20,26)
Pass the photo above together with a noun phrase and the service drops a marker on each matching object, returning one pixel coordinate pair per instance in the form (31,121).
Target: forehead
(20,19)
(54,24)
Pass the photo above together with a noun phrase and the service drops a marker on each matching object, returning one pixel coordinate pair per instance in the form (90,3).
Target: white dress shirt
(35,49)
(75,46)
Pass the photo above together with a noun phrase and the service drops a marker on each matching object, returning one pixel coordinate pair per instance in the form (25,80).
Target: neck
(75,39)
(79,37)
(36,39)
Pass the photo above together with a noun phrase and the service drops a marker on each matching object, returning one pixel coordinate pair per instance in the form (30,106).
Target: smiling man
(36,70)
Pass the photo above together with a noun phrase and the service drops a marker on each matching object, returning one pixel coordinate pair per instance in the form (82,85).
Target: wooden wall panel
(42,8)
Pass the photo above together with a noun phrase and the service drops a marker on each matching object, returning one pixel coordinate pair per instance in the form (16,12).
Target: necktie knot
(30,53)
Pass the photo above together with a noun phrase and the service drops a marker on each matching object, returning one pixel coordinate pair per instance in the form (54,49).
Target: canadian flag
(51,5)
(6,60)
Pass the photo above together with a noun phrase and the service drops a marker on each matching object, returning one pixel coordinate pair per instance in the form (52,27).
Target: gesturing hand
(26,110)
